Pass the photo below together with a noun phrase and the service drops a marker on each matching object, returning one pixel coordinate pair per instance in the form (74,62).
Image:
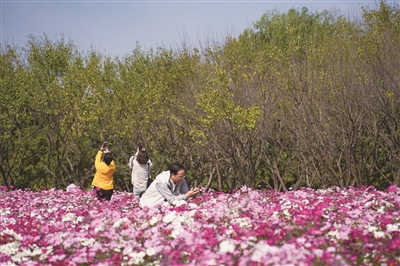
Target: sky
(117,27)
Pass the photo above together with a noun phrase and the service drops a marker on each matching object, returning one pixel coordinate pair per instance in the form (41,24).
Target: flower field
(351,226)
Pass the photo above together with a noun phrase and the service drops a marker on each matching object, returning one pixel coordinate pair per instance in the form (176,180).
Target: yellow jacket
(103,178)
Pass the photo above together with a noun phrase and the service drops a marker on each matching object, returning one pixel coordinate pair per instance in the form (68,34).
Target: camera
(140,146)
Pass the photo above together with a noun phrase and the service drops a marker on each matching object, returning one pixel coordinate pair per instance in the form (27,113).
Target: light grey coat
(163,189)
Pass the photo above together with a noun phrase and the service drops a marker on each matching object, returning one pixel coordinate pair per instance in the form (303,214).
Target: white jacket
(163,189)
(140,172)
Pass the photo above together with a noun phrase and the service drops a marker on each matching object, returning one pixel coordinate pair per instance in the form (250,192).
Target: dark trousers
(103,194)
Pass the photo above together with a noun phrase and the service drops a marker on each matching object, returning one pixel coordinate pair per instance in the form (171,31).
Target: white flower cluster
(169,217)
(120,221)
(226,246)
(134,257)
(68,217)
(11,233)
(377,233)
(87,242)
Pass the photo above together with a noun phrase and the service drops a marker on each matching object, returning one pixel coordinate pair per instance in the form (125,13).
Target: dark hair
(174,168)
(107,158)
(70,180)
(142,157)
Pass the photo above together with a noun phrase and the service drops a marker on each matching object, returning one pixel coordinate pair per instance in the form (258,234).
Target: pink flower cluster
(351,226)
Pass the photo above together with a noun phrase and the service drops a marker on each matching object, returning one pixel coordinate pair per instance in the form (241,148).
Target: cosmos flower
(245,227)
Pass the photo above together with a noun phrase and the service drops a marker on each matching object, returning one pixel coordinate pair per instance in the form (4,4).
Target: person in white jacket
(141,169)
(169,186)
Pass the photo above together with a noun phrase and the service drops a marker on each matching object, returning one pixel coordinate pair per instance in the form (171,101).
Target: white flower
(178,202)
(120,221)
(334,234)
(388,204)
(127,250)
(87,241)
(31,251)
(68,217)
(192,206)
(378,234)
(99,228)
(5,212)
(251,240)
(35,250)
(261,250)
(229,231)
(232,212)
(326,216)
(381,209)
(153,220)
(372,229)
(177,230)
(78,219)
(192,213)
(286,212)
(275,214)
(392,227)
(50,210)
(137,258)
(190,222)
(226,246)
(150,252)
(49,251)
(9,248)
(12,233)
(243,222)
(169,217)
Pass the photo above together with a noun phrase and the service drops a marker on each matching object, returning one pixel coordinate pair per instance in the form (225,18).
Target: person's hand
(137,152)
(104,147)
(193,193)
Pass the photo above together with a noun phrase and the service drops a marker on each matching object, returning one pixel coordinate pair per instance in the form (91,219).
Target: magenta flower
(392,188)
(354,225)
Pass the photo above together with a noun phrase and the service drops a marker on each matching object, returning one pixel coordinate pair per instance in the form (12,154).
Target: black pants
(103,194)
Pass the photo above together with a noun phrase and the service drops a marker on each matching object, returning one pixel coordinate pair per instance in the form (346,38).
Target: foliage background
(299,100)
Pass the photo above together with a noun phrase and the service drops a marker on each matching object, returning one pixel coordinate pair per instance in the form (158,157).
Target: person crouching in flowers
(169,186)
(103,181)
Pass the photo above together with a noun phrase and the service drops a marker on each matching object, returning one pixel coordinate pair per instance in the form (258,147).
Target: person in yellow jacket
(103,181)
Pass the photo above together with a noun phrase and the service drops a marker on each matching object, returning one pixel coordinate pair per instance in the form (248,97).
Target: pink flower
(395,244)
(392,188)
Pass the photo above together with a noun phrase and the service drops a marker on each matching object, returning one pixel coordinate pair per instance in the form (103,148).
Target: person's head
(70,180)
(177,172)
(142,157)
(107,158)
